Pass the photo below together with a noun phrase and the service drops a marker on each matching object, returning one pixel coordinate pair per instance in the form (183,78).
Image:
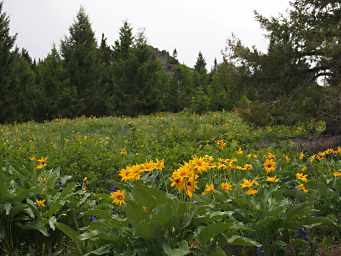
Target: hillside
(166,184)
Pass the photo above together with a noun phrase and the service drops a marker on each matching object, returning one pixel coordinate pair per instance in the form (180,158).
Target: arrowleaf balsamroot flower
(251,192)
(40,203)
(247,167)
(40,162)
(124,152)
(301,156)
(209,188)
(248,183)
(273,179)
(269,165)
(337,174)
(302,177)
(226,186)
(221,144)
(303,188)
(118,197)
(240,151)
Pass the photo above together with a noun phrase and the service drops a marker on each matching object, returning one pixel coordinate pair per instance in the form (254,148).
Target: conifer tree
(200,65)
(7,60)
(55,95)
(123,45)
(200,73)
(81,59)
(174,58)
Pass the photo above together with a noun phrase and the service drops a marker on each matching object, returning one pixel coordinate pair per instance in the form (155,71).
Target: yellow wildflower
(271,156)
(286,158)
(337,174)
(200,164)
(302,177)
(118,197)
(191,186)
(301,155)
(247,167)
(148,166)
(302,187)
(251,192)
(124,152)
(269,165)
(209,188)
(226,186)
(248,183)
(178,182)
(85,185)
(40,203)
(221,144)
(125,175)
(273,179)
(240,151)
(41,162)
(159,165)
(320,156)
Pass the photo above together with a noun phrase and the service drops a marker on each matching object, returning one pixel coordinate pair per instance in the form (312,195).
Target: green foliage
(80,218)
(225,89)
(28,226)
(81,65)
(329,109)
(200,101)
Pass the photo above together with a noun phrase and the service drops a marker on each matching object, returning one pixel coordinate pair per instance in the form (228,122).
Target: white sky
(188,25)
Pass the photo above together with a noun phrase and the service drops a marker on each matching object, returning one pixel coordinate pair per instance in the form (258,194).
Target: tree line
(297,79)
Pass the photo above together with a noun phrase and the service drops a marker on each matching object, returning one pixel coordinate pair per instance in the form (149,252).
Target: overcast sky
(189,26)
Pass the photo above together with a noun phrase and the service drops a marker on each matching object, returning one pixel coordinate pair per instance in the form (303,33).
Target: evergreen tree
(123,45)
(107,79)
(180,88)
(25,90)
(174,58)
(7,60)
(137,74)
(81,62)
(55,94)
(225,89)
(175,54)
(215,65)
(200,74)
(105,52)
(200,65)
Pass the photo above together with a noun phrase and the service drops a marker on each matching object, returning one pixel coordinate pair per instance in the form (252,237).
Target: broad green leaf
(181,251)
(212,230)
(69,232)
(242,241)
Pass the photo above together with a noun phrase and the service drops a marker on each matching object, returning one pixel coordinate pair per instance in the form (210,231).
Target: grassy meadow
(166,184)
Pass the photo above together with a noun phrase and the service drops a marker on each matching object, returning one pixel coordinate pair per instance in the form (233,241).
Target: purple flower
(113,189)
(92,218)
(303,233)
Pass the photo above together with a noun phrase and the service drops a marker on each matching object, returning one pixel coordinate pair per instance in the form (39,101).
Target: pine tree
(7,61)
(200,65)
(200,73)
(55,95)
(123,45)
(25,89)
(138,76)
(174,58)
(105,52)
(175,54)
(81,59)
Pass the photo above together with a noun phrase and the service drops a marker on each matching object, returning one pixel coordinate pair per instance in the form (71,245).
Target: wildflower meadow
(167,184)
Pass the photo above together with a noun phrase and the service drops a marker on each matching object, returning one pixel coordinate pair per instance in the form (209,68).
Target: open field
(166,184)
